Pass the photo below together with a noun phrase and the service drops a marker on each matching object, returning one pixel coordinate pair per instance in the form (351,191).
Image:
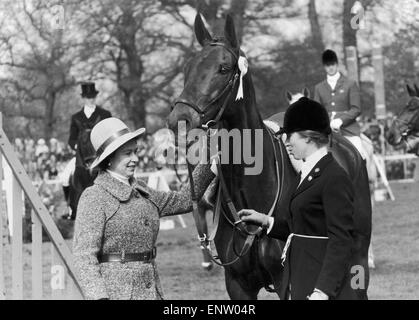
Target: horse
(214,79)
(404,129)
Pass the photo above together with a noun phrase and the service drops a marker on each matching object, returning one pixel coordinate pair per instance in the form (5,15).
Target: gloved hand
(318,295)
(335,124)
(254,217)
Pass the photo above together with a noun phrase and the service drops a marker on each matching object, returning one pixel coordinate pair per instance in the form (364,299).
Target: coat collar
(314,174)
(118,189)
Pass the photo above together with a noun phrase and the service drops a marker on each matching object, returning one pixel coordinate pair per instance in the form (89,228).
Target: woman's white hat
(108,135)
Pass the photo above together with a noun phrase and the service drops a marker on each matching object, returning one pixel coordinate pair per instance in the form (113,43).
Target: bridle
(206,122)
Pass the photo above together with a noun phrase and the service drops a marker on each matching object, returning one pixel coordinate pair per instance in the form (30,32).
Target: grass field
(395,242)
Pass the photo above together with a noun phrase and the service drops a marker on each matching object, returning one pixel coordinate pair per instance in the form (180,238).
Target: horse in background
(211,96)
(404,129)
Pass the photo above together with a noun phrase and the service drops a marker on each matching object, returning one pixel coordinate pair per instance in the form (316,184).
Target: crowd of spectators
(42,160)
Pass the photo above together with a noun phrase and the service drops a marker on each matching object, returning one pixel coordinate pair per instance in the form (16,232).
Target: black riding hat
(306,114)
(329,57)
(88,90)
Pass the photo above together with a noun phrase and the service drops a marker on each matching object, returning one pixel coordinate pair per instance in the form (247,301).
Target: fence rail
(63,280)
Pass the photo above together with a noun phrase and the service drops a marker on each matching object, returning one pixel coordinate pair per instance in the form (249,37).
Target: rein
(235,222)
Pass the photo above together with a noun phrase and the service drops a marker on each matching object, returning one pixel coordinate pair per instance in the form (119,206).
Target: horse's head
(211,79)
(404,129)
(291,98)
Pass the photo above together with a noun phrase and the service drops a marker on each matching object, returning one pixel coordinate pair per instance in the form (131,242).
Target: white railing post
(2,211)
(17,243)
(36,257)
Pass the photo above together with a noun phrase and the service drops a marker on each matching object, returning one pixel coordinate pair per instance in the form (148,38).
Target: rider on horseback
(341,97)
(82,124)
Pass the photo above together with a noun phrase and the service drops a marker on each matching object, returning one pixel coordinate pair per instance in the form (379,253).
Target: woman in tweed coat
(118,220)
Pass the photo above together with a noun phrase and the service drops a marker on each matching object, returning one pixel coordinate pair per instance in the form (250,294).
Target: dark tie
(299,179)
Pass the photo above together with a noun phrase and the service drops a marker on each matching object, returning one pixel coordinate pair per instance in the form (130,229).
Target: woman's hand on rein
(254,217)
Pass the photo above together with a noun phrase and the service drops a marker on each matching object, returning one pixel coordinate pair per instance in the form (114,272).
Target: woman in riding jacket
(318,228)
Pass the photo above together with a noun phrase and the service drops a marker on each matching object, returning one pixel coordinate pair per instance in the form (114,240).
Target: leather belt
(146,256)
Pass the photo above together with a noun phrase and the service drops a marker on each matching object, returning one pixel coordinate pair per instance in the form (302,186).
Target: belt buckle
(123,256)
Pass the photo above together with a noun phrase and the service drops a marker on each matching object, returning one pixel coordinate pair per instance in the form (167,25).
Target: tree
(38,63)
(132,44)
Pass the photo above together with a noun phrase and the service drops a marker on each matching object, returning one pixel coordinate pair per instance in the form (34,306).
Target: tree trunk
(237,10)
(349,33)
(210,9)
(316,32)
(49,115)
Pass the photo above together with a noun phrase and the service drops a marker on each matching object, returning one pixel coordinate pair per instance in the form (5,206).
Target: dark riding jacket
(345,100)
(322,206)
(80,129)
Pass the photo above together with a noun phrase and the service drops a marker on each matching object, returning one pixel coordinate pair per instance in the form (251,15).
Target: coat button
(146,222)
(333,104)
(148,284)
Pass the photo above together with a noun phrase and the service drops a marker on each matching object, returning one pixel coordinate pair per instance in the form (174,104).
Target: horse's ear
(230,31)
(411,92)
(201,32)
(289,96)
(417,90)
(306,92)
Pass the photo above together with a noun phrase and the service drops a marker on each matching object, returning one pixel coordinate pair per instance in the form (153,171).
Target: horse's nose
(177,116)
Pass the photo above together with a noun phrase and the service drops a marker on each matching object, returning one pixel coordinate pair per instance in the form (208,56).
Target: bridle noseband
(206,122)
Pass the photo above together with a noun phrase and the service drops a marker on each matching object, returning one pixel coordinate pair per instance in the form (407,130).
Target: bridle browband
(205,121)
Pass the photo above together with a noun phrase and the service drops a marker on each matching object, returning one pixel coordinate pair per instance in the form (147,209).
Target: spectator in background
(41,147)
(29,149)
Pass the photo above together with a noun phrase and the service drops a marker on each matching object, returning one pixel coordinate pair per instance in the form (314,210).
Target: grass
(395,242)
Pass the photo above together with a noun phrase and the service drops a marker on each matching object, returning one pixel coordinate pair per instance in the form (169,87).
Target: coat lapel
(316,172)
(340,83)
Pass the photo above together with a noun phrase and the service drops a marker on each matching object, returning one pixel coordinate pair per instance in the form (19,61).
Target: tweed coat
(345,100)
(113,217)
(321,206)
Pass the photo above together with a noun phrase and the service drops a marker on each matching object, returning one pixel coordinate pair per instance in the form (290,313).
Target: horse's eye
(224,69)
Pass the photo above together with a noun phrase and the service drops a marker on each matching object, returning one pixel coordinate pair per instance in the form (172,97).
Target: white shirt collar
(333,80)
(88,110)
(119,177)
(311,161)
